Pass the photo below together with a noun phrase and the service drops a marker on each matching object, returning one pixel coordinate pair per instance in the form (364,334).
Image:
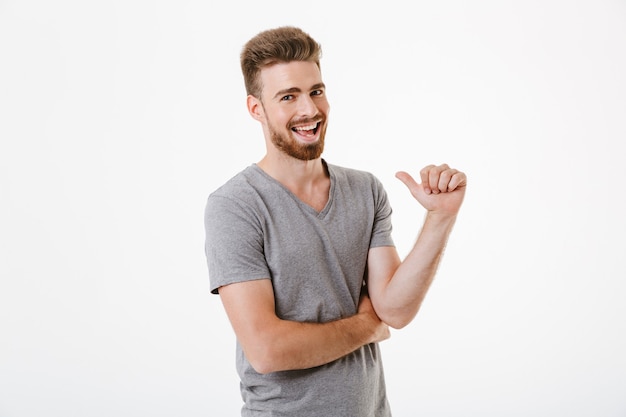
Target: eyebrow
(297,90)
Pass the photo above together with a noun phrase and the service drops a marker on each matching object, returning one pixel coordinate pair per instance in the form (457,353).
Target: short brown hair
(283,44)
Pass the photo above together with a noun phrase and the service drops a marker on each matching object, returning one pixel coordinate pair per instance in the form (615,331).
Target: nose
(306,106)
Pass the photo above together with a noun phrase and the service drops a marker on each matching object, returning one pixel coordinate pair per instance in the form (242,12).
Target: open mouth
(309,130)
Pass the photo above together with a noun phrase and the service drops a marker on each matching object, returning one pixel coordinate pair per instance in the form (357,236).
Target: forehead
(285,75)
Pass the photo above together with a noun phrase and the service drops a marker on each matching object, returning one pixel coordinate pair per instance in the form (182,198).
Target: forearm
(400,295)
(288,345)
(272,344)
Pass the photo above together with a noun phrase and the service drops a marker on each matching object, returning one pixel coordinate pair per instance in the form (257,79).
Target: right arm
(272,344)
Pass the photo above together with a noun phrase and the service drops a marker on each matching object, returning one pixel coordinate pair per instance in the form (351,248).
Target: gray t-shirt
(257,229)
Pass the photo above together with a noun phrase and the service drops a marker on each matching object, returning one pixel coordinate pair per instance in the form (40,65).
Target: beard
(290,146)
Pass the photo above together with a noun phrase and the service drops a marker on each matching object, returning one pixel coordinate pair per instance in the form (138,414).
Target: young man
(301,254)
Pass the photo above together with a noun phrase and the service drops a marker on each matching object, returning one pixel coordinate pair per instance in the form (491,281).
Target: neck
(292,172)
(307,180)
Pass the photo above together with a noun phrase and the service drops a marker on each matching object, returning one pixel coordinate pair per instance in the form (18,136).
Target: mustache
(306,121)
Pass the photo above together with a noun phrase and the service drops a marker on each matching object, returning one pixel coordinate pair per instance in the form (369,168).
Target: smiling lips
(307,130)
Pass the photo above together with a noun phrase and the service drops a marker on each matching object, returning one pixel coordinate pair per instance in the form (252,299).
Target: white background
(118,118)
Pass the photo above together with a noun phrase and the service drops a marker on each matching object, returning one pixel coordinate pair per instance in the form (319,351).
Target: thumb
(407,179)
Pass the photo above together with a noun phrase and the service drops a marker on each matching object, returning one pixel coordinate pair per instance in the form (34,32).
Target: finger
(458,180)
(425,177)
(433,177)
(444,179)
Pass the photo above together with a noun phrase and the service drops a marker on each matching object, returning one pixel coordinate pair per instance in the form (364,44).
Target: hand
(442,188)
(380,330)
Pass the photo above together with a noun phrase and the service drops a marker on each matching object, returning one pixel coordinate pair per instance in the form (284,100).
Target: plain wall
(118,118)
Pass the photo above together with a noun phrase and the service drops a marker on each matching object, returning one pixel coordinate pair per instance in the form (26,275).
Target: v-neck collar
(321,214)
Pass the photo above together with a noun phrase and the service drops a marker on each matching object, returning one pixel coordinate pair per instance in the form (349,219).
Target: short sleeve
(382,228)
(234,243)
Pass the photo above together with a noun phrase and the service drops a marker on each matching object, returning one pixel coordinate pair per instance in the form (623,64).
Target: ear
(255,108)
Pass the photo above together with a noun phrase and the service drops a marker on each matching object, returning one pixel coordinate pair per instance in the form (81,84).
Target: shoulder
(235,197)
(354,177)
(239,182)
(234,206)
(349,173)
(243,188)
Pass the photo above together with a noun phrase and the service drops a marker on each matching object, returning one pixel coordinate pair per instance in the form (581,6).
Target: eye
(287,97)
(317,92)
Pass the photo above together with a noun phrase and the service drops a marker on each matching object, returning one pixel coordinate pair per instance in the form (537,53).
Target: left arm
(397,288)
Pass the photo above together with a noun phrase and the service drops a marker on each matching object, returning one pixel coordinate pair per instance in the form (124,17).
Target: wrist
(436,216)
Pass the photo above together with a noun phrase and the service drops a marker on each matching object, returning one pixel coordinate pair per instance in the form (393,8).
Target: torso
(318,198)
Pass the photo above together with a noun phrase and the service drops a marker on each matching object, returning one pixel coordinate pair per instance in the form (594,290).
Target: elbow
(260,363)
(396,323)
(262,359)
(397,319)
(262,367)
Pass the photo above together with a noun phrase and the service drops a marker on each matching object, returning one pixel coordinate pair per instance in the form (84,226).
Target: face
(295,108)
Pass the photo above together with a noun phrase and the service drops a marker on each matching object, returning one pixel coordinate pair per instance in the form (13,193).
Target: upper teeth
(308,127)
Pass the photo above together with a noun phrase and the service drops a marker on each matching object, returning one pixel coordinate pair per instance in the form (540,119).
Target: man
(301,254)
